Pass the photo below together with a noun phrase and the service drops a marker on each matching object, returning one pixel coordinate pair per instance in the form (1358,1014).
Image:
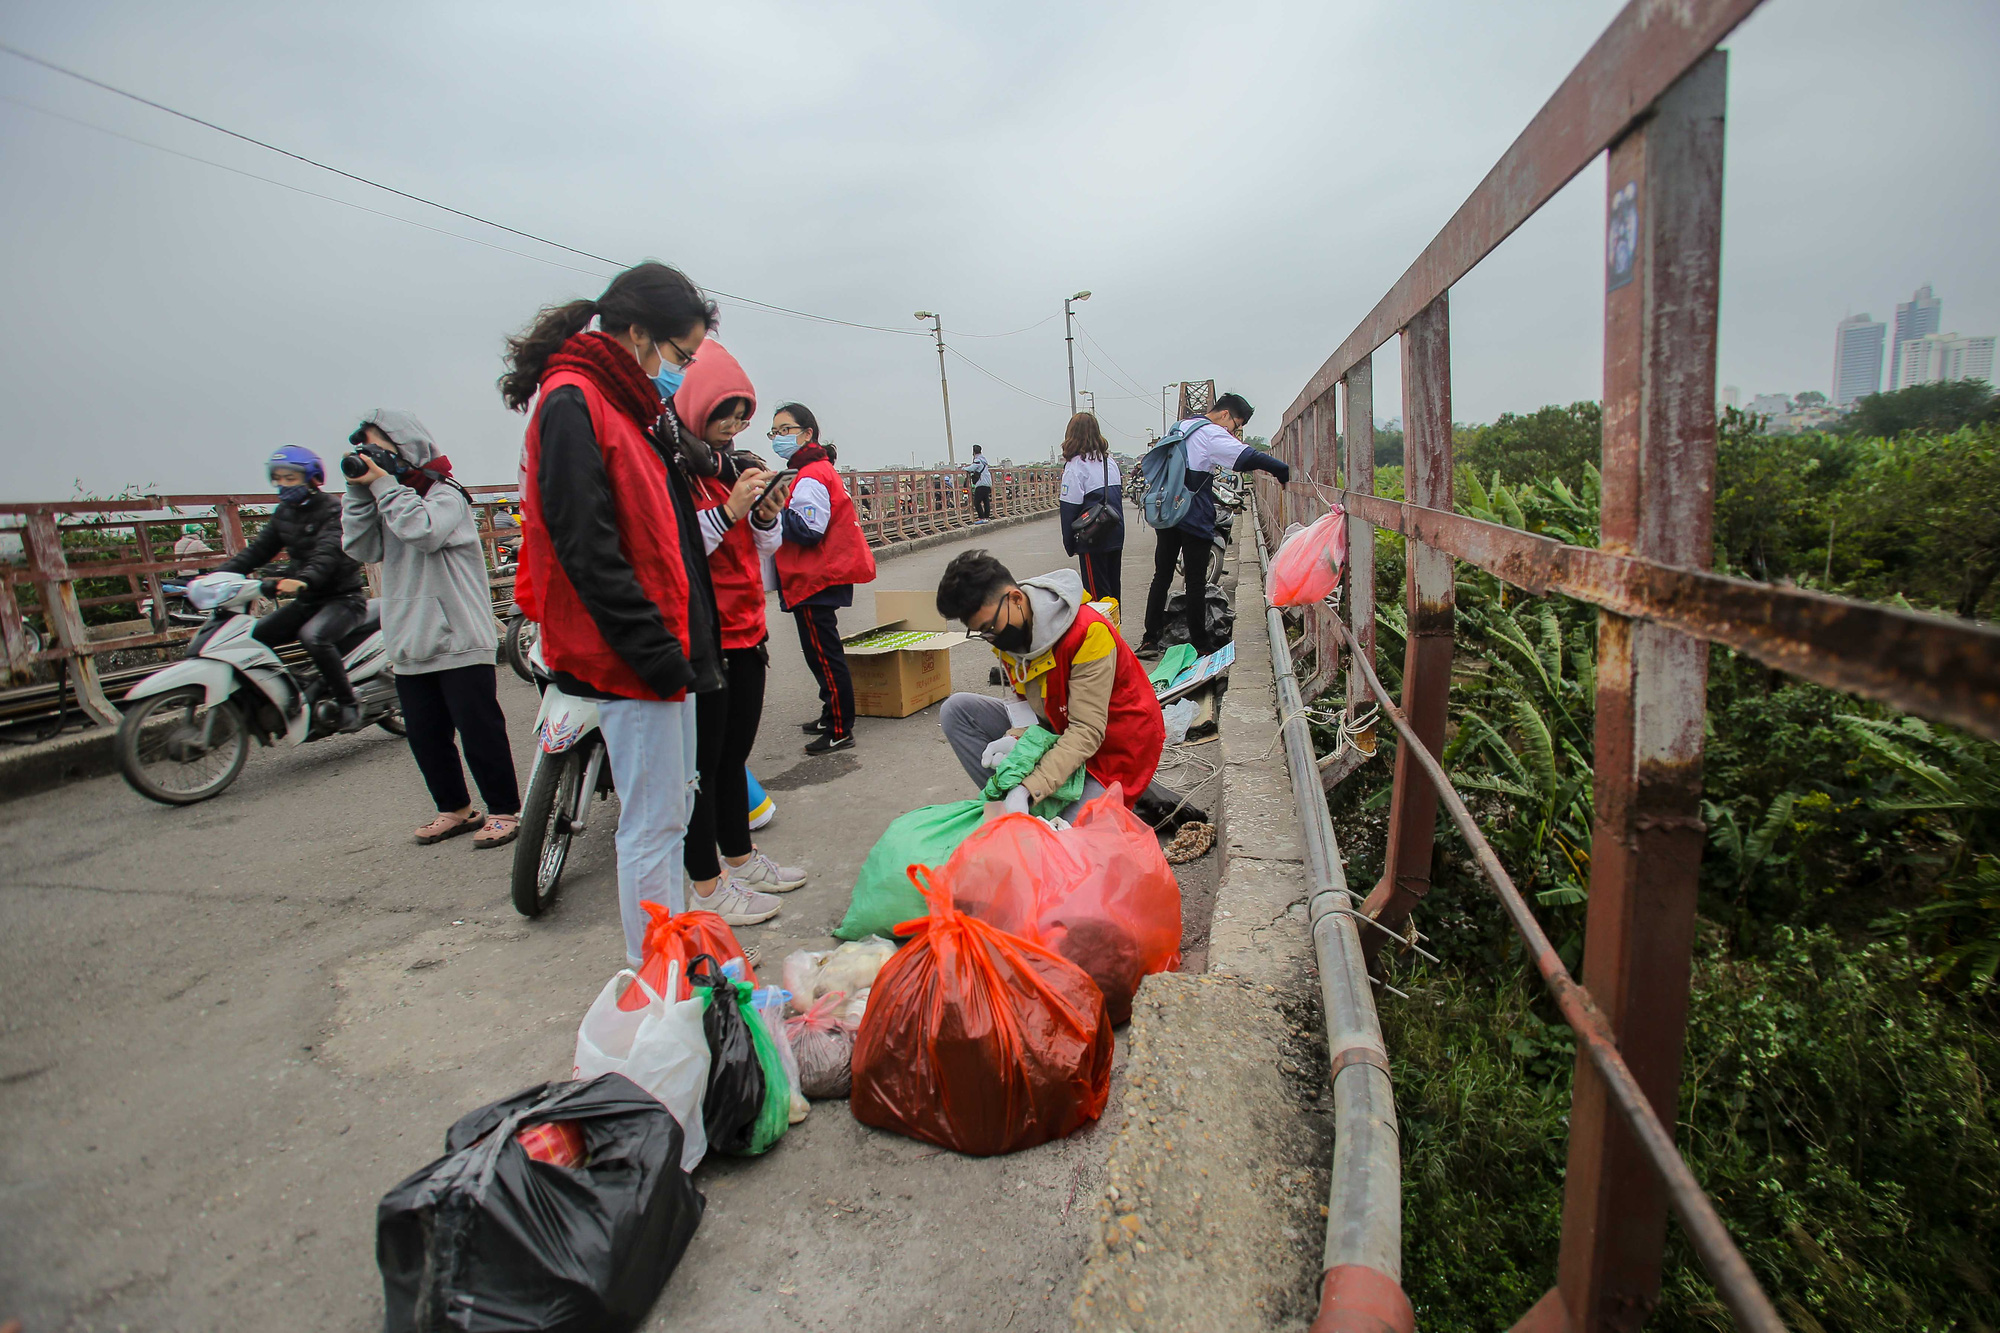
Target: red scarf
(614,370)
(804,454)
(420,479)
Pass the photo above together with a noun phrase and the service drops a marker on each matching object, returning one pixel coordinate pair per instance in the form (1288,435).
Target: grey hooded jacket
(437,607)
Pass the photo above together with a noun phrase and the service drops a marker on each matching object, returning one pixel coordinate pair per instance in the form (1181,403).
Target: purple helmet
(299,457)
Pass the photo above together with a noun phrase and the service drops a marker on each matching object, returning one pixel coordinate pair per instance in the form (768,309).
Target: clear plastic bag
(852,967)
(659,1046)
(771,1002)
(800,974)
(823,1047)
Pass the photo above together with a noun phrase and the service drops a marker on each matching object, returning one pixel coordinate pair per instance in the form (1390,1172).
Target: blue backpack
(1165,470)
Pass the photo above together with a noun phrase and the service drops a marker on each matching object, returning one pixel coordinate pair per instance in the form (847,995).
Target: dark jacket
(580,516)
(309,534)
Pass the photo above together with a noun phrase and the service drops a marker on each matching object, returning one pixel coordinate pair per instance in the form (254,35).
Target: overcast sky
(1235,184)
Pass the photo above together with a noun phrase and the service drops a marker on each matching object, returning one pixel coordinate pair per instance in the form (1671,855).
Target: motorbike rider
(328,596)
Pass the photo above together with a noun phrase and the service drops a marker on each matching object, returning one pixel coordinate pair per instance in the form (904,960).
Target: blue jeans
(651,746)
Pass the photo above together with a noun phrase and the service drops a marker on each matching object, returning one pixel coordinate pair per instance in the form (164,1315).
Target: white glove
(1017,800)
(997,751)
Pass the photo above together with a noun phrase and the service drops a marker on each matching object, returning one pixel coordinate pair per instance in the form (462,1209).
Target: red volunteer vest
(841,557)
(648,536)
(1134,732)
(737,573)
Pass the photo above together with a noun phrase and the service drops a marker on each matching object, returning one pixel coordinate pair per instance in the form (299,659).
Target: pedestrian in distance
(823,556)
(190,544)
(612,564)
(324,582)
(979,476)
(1093,507)
(1214,441)
(1070,672)
(437,621)
(739,505)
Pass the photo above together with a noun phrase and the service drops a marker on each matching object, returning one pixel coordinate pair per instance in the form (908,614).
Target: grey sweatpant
(972,722)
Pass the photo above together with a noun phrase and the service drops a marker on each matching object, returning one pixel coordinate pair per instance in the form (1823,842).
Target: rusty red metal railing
(1650,95)
(77,558)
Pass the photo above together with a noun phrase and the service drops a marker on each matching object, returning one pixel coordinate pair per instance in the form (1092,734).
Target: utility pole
(1093,400)
(937,327)
(1069,337)
(1165,389)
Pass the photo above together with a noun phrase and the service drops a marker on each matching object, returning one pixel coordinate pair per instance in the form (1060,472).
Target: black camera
(388,460)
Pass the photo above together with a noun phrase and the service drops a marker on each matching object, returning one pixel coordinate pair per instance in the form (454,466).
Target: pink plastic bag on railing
(1306,568)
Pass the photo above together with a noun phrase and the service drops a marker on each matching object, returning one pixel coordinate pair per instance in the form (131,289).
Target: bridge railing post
(1358,415)
(64,617)
(1429,611)
(1664,241)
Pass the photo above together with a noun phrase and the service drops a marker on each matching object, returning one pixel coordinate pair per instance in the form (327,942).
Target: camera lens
(352,466)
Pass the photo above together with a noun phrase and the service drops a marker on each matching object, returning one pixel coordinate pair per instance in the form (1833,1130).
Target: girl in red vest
(823,556)
(612,558)
(717,401)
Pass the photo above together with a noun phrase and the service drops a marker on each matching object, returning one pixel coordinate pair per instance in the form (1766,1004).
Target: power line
(1010,333)
(996,379)
(286,185)
(34,59)
(1130,383)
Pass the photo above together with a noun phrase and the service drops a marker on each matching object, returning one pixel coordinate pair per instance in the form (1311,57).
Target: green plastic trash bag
(1172,662)
(776,1117)
(1021,761)
(884,898)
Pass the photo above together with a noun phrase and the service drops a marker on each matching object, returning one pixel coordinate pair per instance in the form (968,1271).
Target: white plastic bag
(857,1005)
(660,1047)
(1179,717)
(770,1002)
(852,967)
(801,976)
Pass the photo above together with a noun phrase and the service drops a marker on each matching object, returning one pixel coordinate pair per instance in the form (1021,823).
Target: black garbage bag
(735,1095)
(486,1238)
(1221,618)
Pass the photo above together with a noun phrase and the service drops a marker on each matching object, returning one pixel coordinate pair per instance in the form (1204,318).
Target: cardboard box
(903,663)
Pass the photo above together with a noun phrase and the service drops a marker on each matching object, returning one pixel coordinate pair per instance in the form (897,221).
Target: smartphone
(773,485)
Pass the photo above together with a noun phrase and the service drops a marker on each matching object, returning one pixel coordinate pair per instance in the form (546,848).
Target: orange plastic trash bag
(977,1040)
(681,939)
(1100,893)
(1306,568)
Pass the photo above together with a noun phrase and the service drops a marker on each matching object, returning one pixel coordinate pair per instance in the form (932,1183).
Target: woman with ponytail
(612,559)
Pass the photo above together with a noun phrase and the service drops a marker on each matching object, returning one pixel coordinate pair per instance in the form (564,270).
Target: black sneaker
(829,742)
(350,717)
(1148,649)
(814,728)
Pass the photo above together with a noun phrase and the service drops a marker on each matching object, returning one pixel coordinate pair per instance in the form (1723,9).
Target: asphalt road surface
(227,1030)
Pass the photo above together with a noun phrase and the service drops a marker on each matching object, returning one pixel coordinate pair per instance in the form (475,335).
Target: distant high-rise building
(1857,359)
(1772,404)
(1732,396)
(1922,314)
(1944,356)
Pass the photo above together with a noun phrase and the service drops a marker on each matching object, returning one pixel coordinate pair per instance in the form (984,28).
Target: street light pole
(1093,401)
(1069,337)
(937,327)
(1165,389)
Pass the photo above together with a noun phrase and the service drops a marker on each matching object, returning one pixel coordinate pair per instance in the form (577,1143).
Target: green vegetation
(1844,1035)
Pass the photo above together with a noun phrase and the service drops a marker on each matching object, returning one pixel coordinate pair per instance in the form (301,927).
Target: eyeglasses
(993,627)
(777,431)
(687,358)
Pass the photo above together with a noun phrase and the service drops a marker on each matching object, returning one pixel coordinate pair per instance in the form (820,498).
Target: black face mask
(1015,638)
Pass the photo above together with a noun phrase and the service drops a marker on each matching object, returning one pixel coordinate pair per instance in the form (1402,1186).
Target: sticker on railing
(1621,237)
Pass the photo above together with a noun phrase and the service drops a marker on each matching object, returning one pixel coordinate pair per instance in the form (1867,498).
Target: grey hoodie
(437,606)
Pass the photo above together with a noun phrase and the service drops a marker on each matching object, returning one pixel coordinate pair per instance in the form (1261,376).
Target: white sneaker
(735,904)
(761,872)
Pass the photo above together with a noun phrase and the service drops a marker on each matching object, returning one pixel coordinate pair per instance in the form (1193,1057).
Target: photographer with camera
(322,580)
(404,510)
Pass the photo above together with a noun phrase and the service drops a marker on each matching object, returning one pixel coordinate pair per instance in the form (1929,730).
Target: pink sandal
(449,825)
(498,832)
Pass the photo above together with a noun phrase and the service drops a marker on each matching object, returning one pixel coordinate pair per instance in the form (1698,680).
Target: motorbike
(174,603)
(569,769)
(187,727)
(517,641)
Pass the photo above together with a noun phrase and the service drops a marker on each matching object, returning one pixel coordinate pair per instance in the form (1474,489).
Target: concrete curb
(925,543)
(1212,1215)
(46,765)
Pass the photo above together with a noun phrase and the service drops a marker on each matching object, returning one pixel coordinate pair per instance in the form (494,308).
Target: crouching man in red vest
(1071,673)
